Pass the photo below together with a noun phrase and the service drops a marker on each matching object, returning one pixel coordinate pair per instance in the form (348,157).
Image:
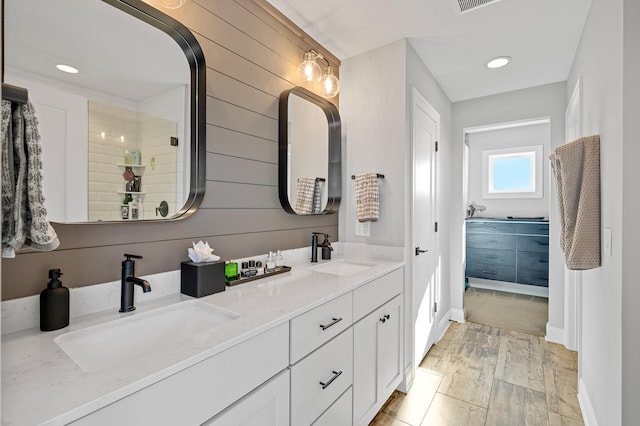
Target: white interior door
(425,123)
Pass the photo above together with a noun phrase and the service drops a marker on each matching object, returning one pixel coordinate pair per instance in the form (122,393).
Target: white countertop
(42,385)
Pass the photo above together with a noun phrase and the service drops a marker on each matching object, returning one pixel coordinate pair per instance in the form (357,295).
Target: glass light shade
(310,70)
(330,83)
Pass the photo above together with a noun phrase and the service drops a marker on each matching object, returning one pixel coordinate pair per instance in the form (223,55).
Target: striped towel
(367,197)
(305,198)
(576,168)
(317,195)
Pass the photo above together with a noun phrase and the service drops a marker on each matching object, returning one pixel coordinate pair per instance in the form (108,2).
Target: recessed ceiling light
(67,68)
(499,62)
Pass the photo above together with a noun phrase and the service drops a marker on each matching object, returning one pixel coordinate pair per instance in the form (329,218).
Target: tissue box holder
(201,279)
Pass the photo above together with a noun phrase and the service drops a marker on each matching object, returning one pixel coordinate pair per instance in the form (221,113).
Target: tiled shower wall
(252,54)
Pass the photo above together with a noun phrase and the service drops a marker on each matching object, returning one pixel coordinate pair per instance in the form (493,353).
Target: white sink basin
(164,329)
(343,267)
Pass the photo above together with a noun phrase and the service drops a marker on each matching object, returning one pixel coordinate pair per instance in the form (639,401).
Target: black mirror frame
(334,178)
(198,97)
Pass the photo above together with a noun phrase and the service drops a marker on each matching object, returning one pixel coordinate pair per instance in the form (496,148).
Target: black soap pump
(54,304)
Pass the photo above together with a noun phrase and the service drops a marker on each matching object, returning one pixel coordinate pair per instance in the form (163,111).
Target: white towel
(576,168)
(24,213)
(367,197)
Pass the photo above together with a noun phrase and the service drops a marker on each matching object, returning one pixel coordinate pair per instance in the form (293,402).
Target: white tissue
(201,252)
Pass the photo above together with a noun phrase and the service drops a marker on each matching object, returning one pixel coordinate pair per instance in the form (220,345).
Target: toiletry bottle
(135,156)
(231,270)
(54,304)
(127,157)
(133,209)
(279,260)
(259,267)
(140,208)
(271,263)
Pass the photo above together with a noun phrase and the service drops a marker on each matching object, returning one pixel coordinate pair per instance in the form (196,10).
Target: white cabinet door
(266,406)
(377,362)
(389,344)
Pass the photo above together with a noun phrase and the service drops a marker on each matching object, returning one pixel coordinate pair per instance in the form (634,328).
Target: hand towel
(317,195)
(305,198)
(21,165)
(367,197)
(576,168)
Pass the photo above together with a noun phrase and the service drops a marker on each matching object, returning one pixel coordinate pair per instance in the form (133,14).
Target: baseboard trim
(443,325)
(457,315)
(529,290)
(407,380)
(554,334)
(588,415)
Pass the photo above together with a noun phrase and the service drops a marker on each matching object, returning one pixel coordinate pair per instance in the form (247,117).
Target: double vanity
(321,345)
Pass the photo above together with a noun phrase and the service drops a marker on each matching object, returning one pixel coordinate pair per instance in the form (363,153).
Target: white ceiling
(540,35)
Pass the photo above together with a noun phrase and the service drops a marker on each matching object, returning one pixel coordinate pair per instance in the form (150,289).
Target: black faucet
(314,247)
(128,281)
(326,247)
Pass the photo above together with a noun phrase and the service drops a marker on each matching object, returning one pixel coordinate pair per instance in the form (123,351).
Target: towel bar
(380,176)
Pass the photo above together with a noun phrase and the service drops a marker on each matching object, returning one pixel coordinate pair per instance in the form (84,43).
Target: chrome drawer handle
(334,322)
(385,318)
(335,376)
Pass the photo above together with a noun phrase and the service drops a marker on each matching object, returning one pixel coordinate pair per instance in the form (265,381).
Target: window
(512,172)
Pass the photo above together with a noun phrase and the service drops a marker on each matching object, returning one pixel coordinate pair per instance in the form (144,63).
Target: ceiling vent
(468,5)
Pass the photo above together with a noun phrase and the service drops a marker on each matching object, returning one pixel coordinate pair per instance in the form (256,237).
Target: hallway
(482,375)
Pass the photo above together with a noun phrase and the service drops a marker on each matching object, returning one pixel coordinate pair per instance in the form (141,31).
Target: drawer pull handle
(490,257)
(385,318)
(335,376)
(489,272)
(333,322)
(543,261)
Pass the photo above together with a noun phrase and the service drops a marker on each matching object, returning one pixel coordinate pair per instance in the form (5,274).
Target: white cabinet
(266,406)
(377,359)
(320,378)
(339,413)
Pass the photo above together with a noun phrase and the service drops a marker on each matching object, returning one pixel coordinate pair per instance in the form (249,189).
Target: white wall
(375,105)
(599,62)
(542,101)
(630,209)
(512,137)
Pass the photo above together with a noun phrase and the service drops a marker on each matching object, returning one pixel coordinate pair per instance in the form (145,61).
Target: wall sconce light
(312,74)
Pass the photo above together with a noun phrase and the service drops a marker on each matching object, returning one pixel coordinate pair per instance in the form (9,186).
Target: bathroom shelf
(133,194)
(133,167)
(280,270)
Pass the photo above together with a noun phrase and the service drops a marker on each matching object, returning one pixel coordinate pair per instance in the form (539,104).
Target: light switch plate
(607,241)
(363,229)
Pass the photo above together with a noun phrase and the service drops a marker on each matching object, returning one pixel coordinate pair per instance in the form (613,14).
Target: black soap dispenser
(54,304)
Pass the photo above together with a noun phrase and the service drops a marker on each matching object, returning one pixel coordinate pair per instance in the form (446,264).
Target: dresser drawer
(491,256)
(319,325)
(490,227)
(319,379)
(339,413)
(491,272)
(376,293)
(532,243)
(532,228)
(491,241)
(533,277)
(535,261)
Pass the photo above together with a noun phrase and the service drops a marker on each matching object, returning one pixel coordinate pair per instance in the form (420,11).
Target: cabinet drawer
(536,261)
(491,227)
(492,241)
(491,256)
(312,329)
(377,292)
(532,277)
(532,243)
(339,413)
(532,228)
(491,272)
(319,379)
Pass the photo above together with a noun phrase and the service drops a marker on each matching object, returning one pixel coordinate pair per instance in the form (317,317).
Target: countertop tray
(279,270)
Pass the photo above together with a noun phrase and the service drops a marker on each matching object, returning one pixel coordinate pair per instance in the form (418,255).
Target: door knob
(418,251)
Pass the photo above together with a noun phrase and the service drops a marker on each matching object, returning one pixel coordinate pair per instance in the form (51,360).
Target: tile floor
(482,375)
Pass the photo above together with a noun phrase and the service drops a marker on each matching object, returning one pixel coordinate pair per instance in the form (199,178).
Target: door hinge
(436,146)
(436,227)
(435,307)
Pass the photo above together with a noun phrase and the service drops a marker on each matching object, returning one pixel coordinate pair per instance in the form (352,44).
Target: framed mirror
(309,158)
(123,129)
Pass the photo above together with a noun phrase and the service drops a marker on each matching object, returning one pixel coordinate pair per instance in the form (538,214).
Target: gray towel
(576,168)
(367,197)
(23,210)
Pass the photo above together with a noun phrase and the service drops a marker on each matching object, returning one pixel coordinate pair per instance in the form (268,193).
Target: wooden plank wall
(252,53)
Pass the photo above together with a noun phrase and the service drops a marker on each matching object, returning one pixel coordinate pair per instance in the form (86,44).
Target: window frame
(534,152)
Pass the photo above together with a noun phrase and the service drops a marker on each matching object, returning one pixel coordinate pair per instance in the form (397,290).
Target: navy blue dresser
(508,250)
